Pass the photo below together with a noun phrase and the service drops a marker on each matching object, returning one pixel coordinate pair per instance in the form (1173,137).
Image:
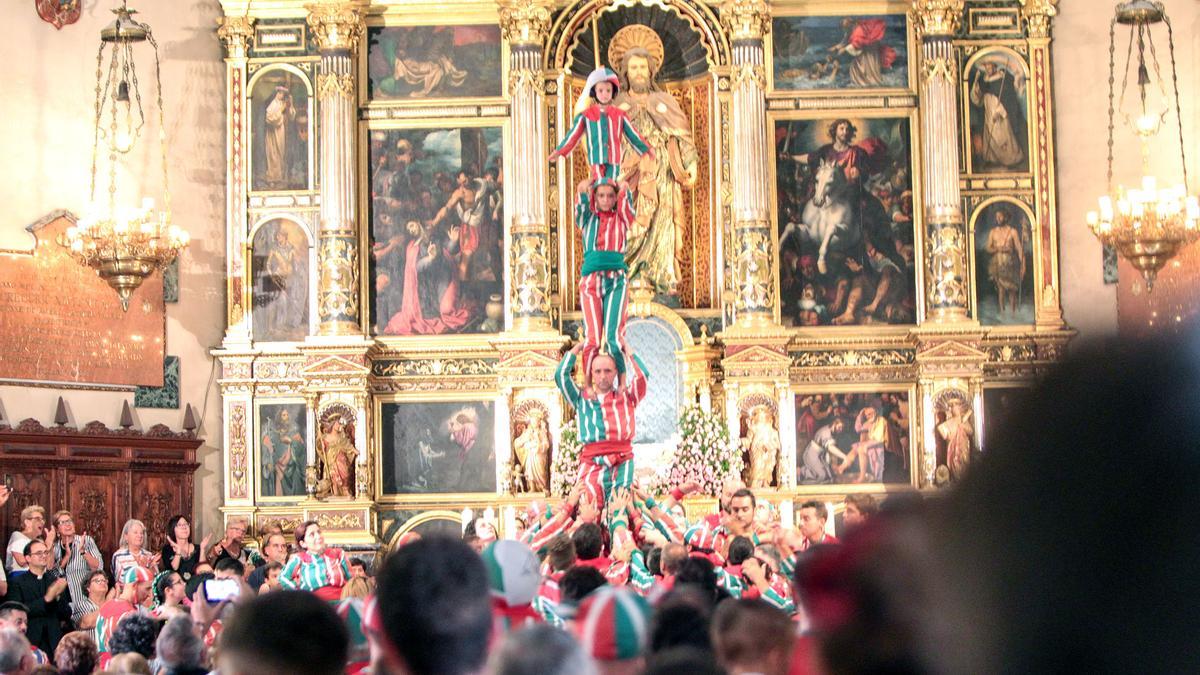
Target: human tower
(614,379)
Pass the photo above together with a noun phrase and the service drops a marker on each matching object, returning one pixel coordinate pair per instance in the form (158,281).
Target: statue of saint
(532,452)
(762,444)
(338,455)
(656,239)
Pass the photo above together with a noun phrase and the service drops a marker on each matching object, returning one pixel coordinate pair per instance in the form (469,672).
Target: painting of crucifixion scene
(446,446)
(852,438)
(845,219)
(433,62)
(840,52)
(437,213)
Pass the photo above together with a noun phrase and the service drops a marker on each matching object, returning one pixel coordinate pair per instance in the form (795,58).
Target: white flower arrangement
(564,470)
(705,454)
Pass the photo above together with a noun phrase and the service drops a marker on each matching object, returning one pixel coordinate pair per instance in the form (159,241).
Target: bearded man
(656,239)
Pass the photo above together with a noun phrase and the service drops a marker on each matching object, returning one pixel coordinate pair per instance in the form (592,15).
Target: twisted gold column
(753,246)
(338,27)
(524,24)
(946,284)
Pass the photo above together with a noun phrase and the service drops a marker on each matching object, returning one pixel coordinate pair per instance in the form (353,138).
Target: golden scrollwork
(1038,14)
(335,85)
(530,275)
(237,451)
(937,68)
(337,291)
(1008,353)
(852,358)
(937,17)
(519,79)
(340,520)
(338,25)
(525,22)
(753,73)
(746,19)
(752,268)
(236,32)
(948,268)
(433,367)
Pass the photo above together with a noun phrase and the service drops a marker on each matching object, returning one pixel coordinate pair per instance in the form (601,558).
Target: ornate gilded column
(524,24)
(338,25)
(752,243)
(235,32)
(1038,15)
(946,285)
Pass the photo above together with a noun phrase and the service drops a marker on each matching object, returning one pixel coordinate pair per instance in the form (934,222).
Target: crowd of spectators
(1025,565)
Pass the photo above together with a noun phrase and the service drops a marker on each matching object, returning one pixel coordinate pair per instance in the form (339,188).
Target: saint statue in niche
(761,442)
(337,454)
(531,450)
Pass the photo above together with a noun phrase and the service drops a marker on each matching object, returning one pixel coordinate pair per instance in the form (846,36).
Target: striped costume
(605,126)
(110,615)
(606,429)
(323,574)
(602,279)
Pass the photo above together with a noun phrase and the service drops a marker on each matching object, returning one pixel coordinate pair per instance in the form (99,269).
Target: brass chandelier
(1149,224)
(125,244)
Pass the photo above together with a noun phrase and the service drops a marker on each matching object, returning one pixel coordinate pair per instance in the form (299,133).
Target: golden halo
(637,35)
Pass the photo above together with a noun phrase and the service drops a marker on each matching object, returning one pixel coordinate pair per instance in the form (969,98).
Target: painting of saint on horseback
(844,204)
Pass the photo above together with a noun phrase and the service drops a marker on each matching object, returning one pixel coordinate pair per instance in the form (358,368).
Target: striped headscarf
(612,624)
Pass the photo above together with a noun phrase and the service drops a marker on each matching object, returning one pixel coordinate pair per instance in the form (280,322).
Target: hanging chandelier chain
(162,128)
(1112,64)
(1178,115)
(96,124)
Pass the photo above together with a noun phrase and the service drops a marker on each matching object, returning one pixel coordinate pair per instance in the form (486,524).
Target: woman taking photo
(179,553)
(133,551)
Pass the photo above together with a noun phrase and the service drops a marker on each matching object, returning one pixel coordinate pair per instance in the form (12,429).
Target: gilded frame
(310,439)
(973,263)
(306,225)
(376,447)
(914,151)
(265,66)
(785,9)
(432,16)
(450,340)
(1011,48)
(915,434)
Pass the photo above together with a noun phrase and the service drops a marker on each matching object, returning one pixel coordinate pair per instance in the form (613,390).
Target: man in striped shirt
(605,126)
(603,213)
(604,415)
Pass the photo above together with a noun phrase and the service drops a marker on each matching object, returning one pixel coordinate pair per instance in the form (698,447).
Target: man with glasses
(46,595)
(75,555)
(275,548)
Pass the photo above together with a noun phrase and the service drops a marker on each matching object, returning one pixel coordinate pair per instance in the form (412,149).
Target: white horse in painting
(830,218)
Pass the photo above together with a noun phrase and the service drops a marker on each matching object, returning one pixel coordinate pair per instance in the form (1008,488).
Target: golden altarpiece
(850,215)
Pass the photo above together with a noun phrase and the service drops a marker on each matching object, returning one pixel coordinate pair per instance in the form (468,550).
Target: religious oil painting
(282,449)
(414,63)
(999,405)
(997,99)
(846,438)
(1003,264)
(844,204)
(281,126)
(442,447)
(281,281)
(840,52)
(437,238)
